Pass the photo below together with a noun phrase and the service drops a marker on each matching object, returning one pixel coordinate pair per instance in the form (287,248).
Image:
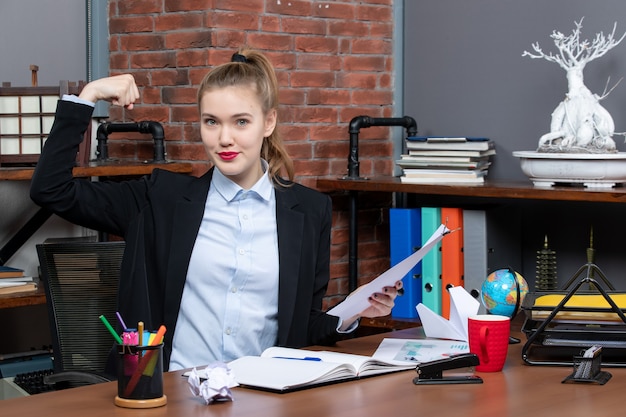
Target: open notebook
(284,369)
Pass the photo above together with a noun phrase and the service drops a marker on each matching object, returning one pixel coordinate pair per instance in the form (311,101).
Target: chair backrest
(81,281)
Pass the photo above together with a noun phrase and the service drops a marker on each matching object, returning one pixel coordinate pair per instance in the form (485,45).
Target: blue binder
(405,238)
(431,263)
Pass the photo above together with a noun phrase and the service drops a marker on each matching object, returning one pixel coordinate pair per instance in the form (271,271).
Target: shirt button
(233,290)
(245,217)
(227,331)
(242,252)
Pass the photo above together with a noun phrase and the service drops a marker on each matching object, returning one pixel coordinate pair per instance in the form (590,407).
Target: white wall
(51,34)
(47,33)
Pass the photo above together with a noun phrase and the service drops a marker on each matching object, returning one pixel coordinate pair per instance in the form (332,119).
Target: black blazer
(159,217)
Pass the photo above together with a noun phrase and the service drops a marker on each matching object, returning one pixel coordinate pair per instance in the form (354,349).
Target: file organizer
(580,318)
(405,238)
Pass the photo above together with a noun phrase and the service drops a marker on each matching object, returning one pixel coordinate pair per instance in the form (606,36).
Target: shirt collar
(229,190)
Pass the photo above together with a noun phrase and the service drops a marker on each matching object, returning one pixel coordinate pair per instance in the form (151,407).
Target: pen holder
(587,370)
(140,376)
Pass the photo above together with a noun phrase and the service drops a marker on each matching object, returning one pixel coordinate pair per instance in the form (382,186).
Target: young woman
(232,262)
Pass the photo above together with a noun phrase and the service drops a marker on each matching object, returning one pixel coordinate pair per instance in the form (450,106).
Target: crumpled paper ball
(212,383)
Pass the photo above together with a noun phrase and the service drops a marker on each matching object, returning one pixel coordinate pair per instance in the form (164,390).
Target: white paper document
(358,300)
(418,350)
(462,305)
(6,284)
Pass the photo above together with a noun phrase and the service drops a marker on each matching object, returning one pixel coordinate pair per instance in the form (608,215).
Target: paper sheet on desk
(418,350)
(462,305)
(358,302)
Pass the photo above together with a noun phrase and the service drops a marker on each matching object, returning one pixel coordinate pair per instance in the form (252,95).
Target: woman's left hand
(382,302)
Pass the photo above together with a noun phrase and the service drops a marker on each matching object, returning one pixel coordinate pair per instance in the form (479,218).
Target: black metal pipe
(353,253)
(359,122)
(356,124)
(154,128)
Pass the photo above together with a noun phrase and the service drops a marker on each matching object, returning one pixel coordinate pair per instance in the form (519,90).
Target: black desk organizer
(551,342)
(587,370)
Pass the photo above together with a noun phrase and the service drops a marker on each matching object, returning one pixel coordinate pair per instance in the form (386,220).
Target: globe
(499,293)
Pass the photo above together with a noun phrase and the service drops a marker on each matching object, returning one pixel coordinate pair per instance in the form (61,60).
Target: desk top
(519,390)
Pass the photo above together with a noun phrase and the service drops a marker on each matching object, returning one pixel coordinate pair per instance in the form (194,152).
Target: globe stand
(515,340)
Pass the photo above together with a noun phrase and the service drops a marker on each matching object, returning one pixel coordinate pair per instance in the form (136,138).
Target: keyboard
(32,382)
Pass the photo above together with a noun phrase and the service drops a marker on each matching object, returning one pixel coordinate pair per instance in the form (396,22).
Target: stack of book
(13,280)
(446,160)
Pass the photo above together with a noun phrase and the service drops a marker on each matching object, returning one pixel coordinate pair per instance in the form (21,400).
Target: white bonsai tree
(579,123)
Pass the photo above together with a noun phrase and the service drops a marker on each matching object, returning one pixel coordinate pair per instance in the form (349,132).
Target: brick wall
(334,62)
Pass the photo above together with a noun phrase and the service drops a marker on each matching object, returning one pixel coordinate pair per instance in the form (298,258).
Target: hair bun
(237,57)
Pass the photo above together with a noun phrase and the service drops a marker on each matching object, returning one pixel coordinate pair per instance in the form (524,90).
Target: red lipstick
(228,156)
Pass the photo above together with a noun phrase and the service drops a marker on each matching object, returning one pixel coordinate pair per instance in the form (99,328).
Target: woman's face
(233,127)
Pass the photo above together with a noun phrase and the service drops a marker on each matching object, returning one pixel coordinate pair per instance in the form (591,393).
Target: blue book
(405,238)
(431,263)
(10,272)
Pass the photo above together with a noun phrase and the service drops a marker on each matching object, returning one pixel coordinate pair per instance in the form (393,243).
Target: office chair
(81,279)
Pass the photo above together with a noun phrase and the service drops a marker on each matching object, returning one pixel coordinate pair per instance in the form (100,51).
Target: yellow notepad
(579,301)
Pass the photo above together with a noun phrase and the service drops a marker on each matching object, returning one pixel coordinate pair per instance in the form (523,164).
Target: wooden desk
(519,390)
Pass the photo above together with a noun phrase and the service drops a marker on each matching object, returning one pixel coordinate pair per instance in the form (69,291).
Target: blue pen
(306,358)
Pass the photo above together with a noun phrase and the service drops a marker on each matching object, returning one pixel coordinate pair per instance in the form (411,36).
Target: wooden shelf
(491,189)
(101,169)
(20,299)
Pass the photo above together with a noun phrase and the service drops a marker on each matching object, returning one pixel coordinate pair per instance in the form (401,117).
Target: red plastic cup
(489,339)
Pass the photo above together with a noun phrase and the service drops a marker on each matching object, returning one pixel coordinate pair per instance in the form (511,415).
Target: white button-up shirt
(229,305)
